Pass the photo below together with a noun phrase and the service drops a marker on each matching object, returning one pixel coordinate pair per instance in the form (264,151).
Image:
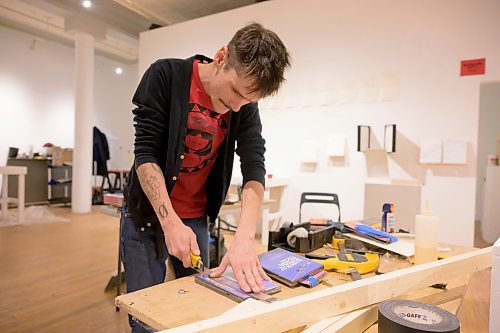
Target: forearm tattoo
(163,211)
(151,185)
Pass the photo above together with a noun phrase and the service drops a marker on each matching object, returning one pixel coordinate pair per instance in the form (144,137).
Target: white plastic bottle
(426,236)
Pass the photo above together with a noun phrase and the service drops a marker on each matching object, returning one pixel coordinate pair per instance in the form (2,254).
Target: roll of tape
(292,236)
(404,316)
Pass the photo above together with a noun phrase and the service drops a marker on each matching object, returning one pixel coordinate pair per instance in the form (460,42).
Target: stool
(21,172)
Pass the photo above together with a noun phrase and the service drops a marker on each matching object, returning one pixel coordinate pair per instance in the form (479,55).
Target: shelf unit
(59,184)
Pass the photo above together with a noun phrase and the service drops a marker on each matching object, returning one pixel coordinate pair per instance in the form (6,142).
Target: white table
(271,208)
(21,172)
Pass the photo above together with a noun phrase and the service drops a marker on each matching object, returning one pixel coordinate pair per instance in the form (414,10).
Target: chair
(120,179)
(318,197)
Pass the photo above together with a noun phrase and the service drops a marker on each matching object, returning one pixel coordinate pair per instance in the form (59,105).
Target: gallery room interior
(243,165)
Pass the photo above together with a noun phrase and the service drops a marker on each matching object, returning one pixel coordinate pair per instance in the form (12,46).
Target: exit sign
(472,67)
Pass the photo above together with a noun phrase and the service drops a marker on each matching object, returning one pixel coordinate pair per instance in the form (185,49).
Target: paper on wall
(308,152)
(348,92)
(336,145)
(368,90)
(389,87)
(431,151)
(454,151)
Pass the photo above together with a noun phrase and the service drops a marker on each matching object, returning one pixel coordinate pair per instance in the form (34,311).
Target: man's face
(228,90)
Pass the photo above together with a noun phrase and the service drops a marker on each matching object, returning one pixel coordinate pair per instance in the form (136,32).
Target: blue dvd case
(288,267)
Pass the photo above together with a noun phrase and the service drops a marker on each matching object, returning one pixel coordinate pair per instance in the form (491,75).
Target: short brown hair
(259,53)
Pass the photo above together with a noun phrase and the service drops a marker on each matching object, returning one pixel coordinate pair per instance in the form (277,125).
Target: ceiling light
(118,70)
(87,4)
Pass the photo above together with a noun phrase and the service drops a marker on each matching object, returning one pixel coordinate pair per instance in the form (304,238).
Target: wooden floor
(52,278)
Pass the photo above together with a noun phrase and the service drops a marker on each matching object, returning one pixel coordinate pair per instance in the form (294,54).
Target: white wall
(489,128)
(336,45)
(37,96)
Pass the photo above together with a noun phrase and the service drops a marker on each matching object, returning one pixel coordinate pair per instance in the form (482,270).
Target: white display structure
(490,216)
(272,213)
(406,200)
(495,289)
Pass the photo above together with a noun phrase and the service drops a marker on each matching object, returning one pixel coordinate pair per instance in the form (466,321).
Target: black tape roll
(401,316)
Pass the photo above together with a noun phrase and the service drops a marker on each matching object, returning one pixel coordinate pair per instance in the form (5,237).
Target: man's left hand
(242,258)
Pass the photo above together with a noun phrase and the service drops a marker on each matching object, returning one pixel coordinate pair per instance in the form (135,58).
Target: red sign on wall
(472,67)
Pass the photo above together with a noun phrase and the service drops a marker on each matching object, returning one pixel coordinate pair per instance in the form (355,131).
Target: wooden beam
(494,324)
(247,305)
(355,321)
(360,320)
(145,12)
(315,306)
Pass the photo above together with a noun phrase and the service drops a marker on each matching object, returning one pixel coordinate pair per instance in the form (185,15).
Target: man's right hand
(180,240)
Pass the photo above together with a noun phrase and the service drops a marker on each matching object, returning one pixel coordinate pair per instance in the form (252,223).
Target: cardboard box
(113,199)
(62,156)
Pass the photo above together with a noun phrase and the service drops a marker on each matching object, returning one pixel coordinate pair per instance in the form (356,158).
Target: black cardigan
(160,121)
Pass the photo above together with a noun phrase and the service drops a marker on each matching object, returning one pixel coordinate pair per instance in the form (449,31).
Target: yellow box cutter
(343,261)
(196,262)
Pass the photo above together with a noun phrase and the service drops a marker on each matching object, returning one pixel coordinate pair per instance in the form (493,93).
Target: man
(191,116)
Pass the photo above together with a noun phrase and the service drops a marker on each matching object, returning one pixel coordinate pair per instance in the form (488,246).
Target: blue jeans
(143,267)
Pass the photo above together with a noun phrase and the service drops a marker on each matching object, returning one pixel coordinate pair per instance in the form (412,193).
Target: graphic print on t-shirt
(206,130)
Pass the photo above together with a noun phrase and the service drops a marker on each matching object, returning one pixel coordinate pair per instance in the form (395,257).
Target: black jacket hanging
(100,152)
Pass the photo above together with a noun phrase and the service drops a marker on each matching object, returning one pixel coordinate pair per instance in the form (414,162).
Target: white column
(81,192)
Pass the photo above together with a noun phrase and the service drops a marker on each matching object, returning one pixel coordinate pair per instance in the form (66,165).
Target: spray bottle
(388,222)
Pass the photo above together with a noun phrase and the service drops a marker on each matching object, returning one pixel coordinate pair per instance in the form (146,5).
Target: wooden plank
(247,305)
(323,324)
(360,320)
(183,295)
(355,321)
(312,307)
(151,305)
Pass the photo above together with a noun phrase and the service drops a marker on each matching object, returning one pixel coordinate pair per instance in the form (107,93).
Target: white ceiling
(123,19)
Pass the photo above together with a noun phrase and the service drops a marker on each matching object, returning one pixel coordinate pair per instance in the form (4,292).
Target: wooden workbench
(183,301)
(188,301)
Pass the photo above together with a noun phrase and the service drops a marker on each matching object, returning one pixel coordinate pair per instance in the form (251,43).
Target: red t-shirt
(206,131)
